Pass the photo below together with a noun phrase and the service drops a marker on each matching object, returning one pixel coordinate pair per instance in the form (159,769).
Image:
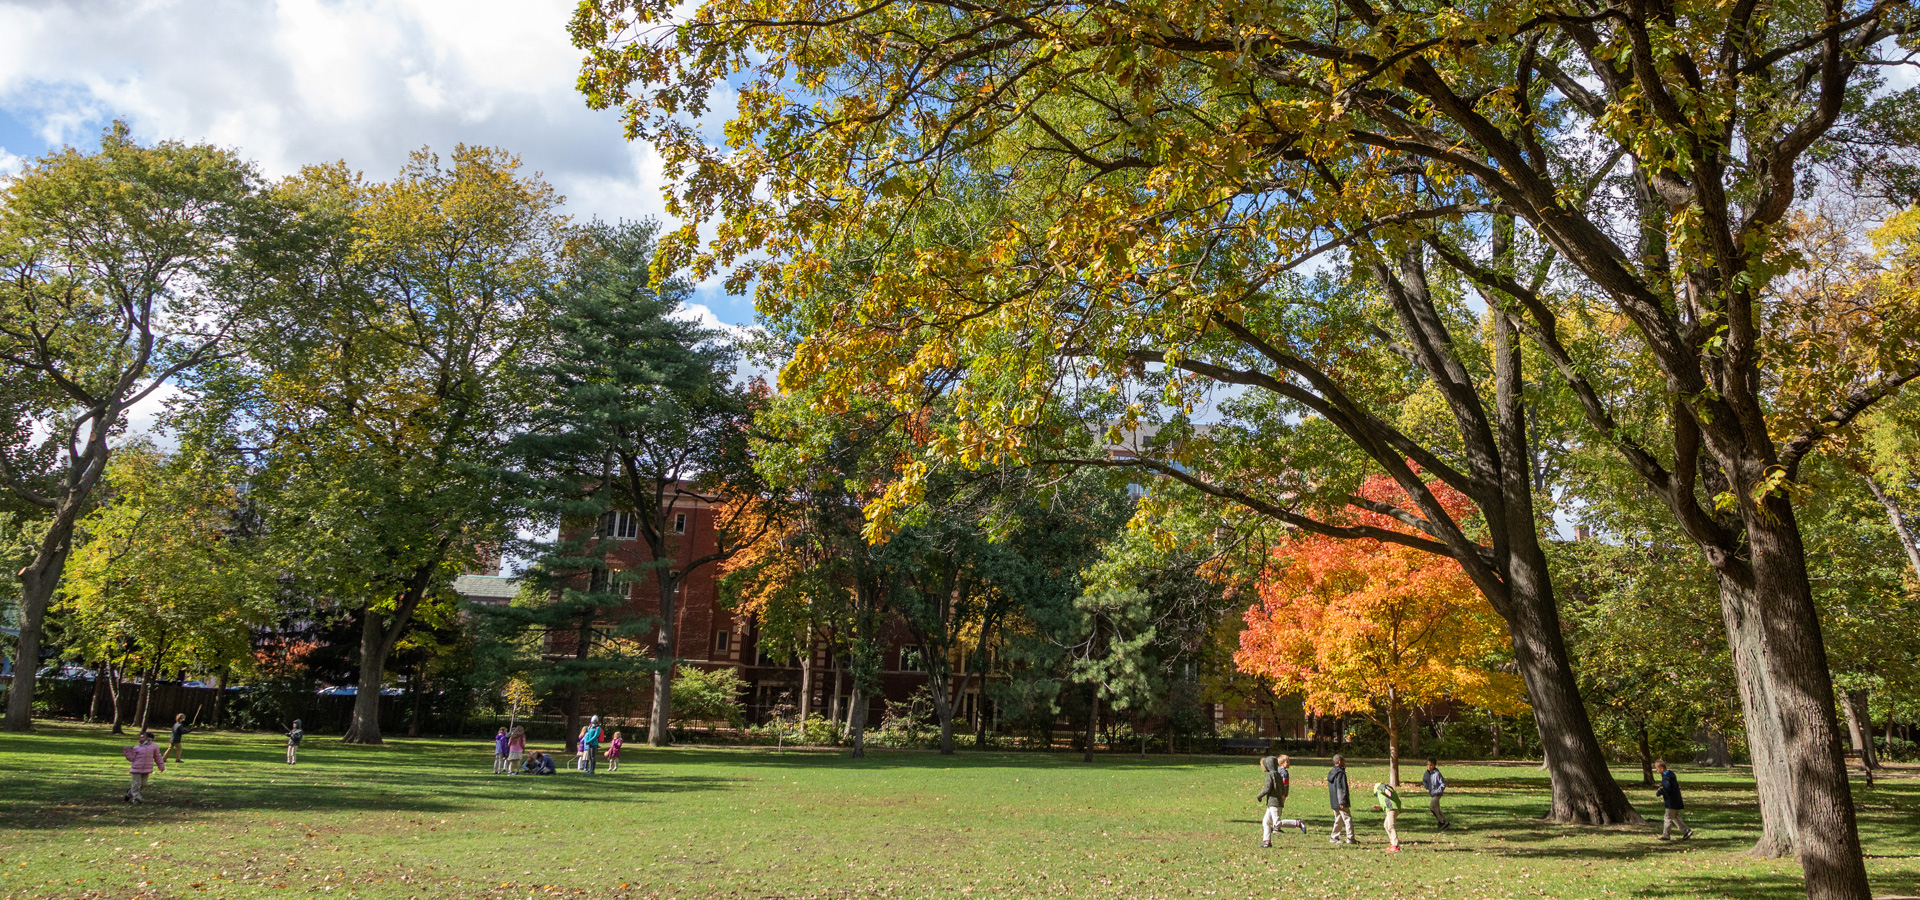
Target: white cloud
(291,82)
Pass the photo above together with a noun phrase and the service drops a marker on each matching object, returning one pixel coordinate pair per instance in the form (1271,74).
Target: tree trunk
(942,710)
(220,698)
(1393,737)
(1584,791)
(980,718)
(364,726)
(1860,726)
(664,648)
(146,697)
(857,721)
(1773,778)
(413,722)
(99,691)
(113,687)
(1093,722)
(1900,526)
(37,582)
(833,715)
(1828,837)
(1496,738)
(806,685)
(1646,756)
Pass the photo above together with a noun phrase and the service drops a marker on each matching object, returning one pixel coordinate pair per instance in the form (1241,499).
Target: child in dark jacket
(1279,781)
(1341,800)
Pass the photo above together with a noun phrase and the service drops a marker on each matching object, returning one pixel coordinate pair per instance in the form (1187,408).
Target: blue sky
(291,82)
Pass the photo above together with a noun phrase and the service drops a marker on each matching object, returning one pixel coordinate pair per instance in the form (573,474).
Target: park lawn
(426,819)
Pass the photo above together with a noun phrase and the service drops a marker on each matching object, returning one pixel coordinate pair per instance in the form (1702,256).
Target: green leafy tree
(1173,165)
(382,383)
(166,577)
(123,268)
(636,411)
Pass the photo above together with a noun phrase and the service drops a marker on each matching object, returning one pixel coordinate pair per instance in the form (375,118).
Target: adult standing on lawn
(180,730)
(142,759)
(294,735)
(1340,799)
(1436,785)
(1669,794)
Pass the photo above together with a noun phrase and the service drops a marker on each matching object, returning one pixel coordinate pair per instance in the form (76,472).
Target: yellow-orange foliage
(1370,627)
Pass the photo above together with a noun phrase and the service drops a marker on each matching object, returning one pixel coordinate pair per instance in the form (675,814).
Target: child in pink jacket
(143,758)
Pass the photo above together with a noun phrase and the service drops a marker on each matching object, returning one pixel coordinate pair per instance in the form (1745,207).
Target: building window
(912,659)
(621,526)
(680,523)
(722,641)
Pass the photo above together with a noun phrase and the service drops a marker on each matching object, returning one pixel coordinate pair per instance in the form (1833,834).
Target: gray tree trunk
(664,648)
(1900,525)
(1860,726)
(1773,778)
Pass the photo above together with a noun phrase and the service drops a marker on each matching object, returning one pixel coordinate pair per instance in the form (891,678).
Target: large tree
(123,268)
(1564,160)
(639,408)
(165,576)
(379,388)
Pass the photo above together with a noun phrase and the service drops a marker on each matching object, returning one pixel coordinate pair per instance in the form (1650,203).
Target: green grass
(425,819)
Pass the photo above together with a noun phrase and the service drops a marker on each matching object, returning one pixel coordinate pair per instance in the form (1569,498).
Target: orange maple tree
(1372,628)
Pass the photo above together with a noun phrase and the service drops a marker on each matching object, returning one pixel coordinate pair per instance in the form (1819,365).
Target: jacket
(590,737)
(1275,793)
(145,758)
(1434,784)
(1669,790)
(1337,795)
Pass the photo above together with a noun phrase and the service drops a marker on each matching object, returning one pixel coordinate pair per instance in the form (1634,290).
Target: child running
(1435,785)
(613,752)
(1388,800)
(1340,799)
(142,759)
(516,748)
(294,735)
(1279,781)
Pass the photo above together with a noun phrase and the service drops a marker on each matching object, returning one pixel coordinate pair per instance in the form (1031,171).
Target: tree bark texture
(663,656)
(1766,744)
(1901,527)
(1860,726)
(1828,838)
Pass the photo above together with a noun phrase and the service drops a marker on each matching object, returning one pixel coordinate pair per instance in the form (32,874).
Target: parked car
(344,690)
(68,672)
(194,683)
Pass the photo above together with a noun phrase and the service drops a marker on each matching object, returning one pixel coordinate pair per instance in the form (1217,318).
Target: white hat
(595,720)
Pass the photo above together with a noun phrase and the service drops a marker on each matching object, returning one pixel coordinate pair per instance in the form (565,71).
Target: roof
(486,588)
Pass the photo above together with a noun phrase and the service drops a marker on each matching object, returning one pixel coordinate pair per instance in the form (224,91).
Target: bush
(709,697)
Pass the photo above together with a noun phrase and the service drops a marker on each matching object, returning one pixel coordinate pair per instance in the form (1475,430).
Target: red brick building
(709,636)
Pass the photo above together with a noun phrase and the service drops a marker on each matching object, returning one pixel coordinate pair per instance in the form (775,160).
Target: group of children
(1279,781)
(1279,778)
(510,748)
